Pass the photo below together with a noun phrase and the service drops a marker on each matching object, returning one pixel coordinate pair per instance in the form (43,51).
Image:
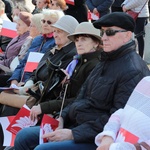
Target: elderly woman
(63,51)
(35,30)
(41,43)
(14,46)
(88,44)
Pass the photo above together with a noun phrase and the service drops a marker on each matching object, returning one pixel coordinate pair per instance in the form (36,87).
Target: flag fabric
(8,136)
(92,16)
(70,2)
(21,120)
(8,29)
(70,68)
(32,61)
(48,124)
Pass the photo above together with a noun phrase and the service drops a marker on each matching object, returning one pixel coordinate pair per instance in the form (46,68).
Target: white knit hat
(66,23)
(85,28)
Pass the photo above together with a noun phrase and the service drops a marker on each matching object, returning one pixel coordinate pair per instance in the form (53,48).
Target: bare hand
(105,143)
(59,135)
(95,11)
(124,9)
(35,111)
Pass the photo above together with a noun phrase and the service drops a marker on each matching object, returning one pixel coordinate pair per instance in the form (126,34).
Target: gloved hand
(23,89)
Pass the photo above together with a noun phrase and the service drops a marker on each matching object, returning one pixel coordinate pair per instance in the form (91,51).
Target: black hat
(119,19)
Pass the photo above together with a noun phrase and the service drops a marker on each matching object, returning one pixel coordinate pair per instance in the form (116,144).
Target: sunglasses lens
(110,32)
(43,21)
(49,22)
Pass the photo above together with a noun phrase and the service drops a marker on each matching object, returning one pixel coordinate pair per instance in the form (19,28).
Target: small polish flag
(70,2)
(92,16)
(33,60)
(9,29)
(48,124)
(8,136)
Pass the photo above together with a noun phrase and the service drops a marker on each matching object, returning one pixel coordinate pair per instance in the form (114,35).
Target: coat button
(85,60)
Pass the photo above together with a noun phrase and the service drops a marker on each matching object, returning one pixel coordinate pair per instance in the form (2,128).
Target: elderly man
(107,89)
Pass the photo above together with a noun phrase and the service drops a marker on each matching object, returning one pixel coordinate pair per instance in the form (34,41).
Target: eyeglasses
(47,21)
(111,32)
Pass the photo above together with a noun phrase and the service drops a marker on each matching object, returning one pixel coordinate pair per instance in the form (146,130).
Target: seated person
(128,128)
(41,43)
(14,46)
(106,89)
(88,44)
(3,16)
(34,30)
(63,51)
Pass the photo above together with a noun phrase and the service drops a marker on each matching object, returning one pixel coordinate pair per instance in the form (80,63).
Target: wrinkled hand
(105,143)
(35,111)
(59,135)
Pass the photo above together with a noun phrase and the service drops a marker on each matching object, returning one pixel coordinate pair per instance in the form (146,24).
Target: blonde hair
(2,5)
(56,14)
(36,18)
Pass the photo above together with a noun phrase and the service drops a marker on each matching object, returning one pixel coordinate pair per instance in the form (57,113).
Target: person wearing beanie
(14,46)
(106,89)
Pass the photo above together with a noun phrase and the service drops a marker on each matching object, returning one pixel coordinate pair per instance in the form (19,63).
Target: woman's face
(60,37)
(33,30)
(21,27)
(40,4)
(47,21)
(85,44)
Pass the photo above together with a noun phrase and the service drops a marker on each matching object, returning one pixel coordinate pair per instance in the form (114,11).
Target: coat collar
(119,52)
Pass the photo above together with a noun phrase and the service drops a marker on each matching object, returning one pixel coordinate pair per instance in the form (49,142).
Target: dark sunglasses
(48,22)
(110,32)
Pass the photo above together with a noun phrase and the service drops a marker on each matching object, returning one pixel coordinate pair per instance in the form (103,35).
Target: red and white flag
(70,2)
(48,124)
(32,62)
(9,29)
(8,136)
(21,120)
(92,16)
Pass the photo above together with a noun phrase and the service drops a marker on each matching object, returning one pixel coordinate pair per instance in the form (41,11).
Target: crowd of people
(90,79)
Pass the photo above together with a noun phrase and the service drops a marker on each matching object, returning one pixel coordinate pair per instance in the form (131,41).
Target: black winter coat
(85,65)
(65,55)
(107,89)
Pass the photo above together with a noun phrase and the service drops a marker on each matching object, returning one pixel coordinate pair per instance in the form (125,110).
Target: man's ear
(128,36)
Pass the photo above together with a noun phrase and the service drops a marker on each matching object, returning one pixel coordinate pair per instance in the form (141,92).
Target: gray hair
(2,5)
(56,14)
(36,18)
